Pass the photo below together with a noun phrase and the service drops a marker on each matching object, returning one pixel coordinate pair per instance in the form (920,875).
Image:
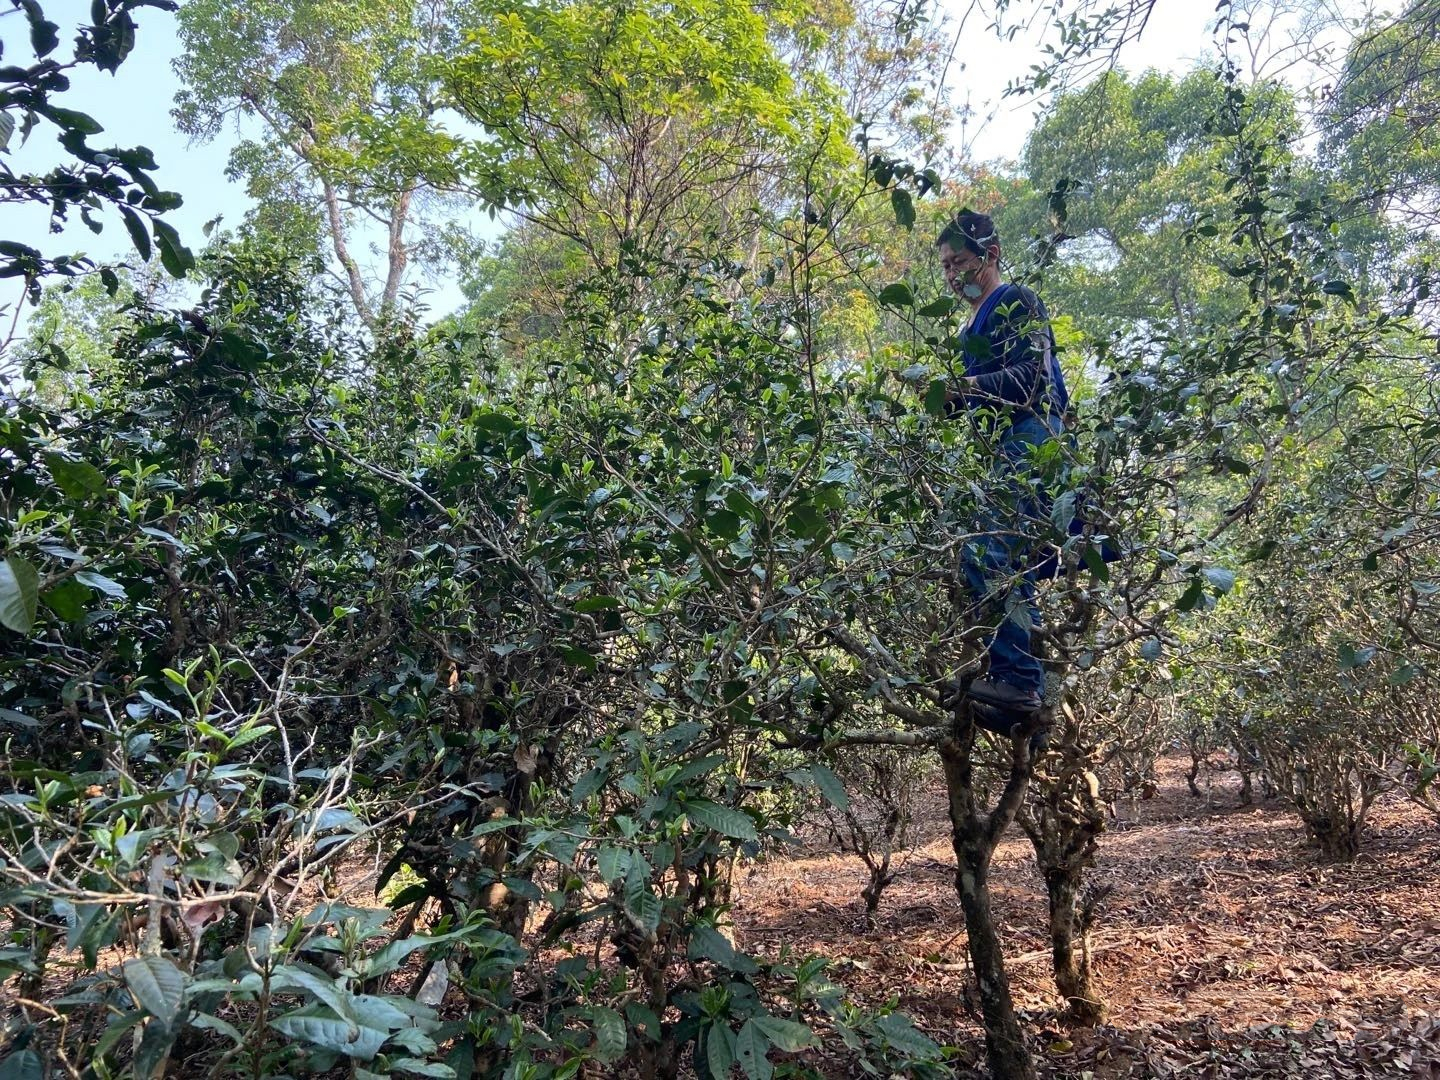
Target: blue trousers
(995,564)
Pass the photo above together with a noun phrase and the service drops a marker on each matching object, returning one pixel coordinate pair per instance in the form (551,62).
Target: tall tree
(1379,127)
(1138,164)
(342,97)
(645,127)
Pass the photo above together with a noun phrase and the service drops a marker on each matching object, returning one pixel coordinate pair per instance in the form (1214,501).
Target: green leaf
(723,819)
(227,843)
(1221,579)
(612,862)
(136,227)
(610,1035)
(19,594)
(588,785)
(248,735)
(10,716)
(805,520)
(331,1033)
(498,824)
(936,396)
(385,1013)
(7,129)
(114,1032)
(900,1033)
(897,295)
(1192,596)
(206,1022)
(413,1041)
(720,1051)
(213,866)
(321,988)
(1151,649)
(1351,657)
(1402,675)
(646,907)
(22,1065)
(786,1034)
(596,603)
(44,35)
(1094,561)
(68,600)
(496,422)
(15,961)
(904,208)
(707,943)
(101,583)
(1263,551)
(77,479)
(938,308)
(176,257)
(830,786)
(415,1067)
(750,1047)
(84,123)
(702,767)
(390,957)
(579,658)
(157,985)
(724,523)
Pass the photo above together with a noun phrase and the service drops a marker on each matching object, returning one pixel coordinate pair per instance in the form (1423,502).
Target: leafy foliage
(92,180)
(551,626)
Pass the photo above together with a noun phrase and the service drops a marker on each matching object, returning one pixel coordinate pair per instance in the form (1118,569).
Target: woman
(1014,394)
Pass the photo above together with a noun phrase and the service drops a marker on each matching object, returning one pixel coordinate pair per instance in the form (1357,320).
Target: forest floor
(1228,947)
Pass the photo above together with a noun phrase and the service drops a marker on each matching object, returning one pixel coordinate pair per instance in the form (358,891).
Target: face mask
(971,288)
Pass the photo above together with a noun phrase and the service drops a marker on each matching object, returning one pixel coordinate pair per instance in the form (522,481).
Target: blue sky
(133,106)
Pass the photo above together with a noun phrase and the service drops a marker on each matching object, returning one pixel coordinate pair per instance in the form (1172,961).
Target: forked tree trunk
(1070,947)
(1063,820)
(974,835)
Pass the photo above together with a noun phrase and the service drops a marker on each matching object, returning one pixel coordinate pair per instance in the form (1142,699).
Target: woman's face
(965,272)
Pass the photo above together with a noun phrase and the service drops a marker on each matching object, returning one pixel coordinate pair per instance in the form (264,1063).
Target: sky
(134,106)
(993,51)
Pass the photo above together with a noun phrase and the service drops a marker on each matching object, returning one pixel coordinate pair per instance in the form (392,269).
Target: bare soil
(1227,948)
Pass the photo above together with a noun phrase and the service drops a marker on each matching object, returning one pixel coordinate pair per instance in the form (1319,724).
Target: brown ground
(1227,949)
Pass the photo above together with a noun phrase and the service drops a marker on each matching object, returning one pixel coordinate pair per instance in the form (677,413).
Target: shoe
(1003,695)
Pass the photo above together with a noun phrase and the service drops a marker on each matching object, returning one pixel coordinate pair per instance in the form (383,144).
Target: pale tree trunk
(347,262)
(398,256)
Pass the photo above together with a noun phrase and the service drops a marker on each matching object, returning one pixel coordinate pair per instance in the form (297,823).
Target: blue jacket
(1009,350)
